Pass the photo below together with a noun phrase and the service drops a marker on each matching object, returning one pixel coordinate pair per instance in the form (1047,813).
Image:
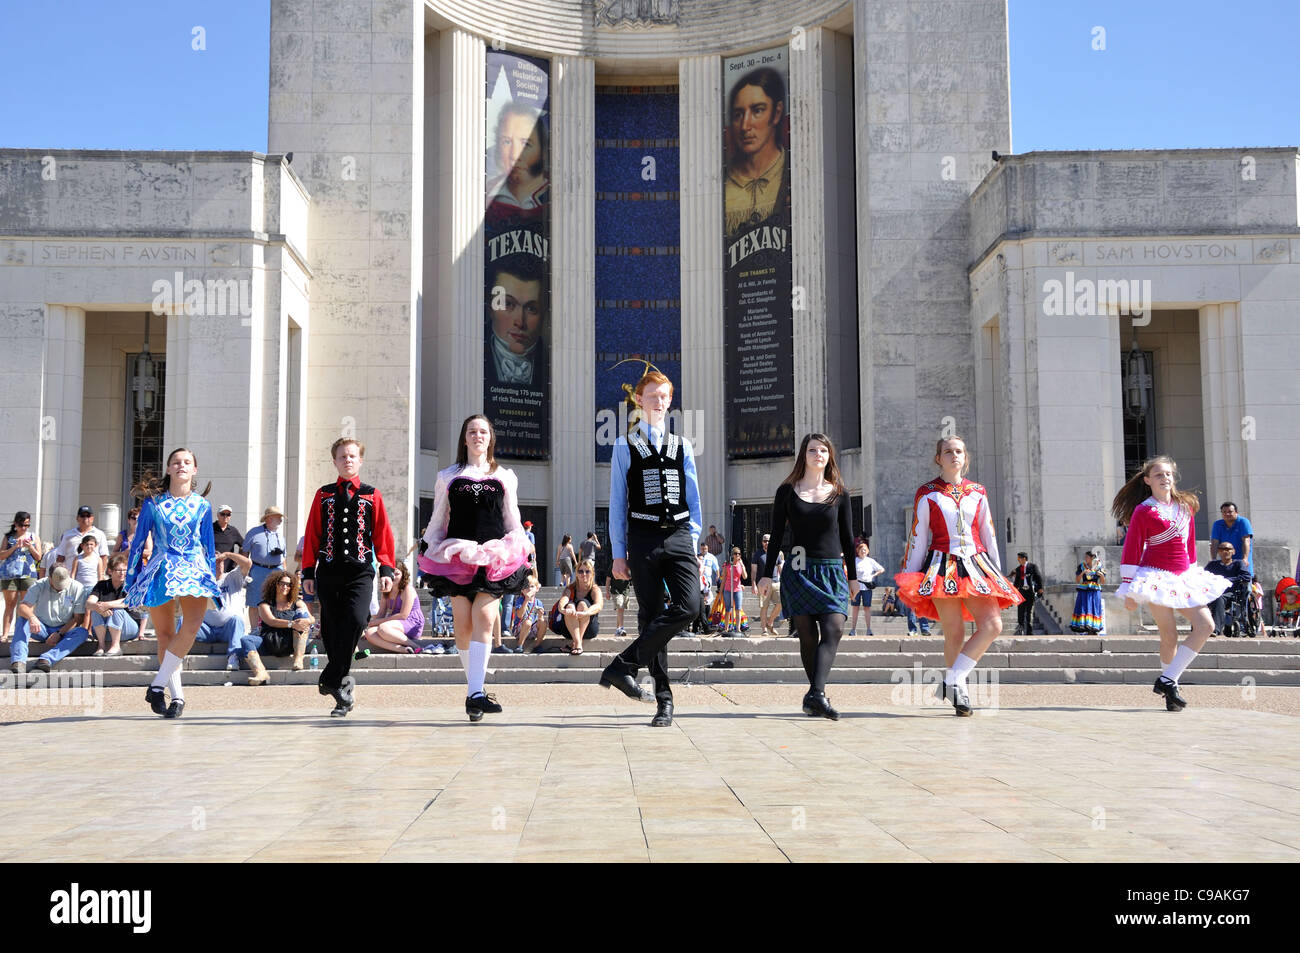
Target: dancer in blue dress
(182,569)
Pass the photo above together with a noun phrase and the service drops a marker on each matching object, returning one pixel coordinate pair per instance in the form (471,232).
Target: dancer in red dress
(951,570)
(1158,567)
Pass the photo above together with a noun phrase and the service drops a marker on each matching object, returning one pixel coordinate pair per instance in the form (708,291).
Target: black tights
(818,652)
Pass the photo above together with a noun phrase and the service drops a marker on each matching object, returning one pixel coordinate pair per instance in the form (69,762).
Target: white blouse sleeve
(918,537)
(989,535)
(436,531)
(510,500)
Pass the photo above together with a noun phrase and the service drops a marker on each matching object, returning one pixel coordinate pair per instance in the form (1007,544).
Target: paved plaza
(573,773)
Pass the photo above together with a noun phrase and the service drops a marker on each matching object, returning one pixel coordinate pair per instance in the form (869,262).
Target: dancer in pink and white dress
(1158,567)
(478,550)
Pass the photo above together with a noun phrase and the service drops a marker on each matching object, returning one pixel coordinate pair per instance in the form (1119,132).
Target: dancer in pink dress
(478,550)
(1158,567)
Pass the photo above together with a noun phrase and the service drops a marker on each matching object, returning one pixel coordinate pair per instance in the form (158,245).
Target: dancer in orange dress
(952,571)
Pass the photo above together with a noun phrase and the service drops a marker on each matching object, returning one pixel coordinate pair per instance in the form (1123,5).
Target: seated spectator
(579,606)
(1235,571)
(529,622)
(88,565)
(400,621)
(20,551)
(224,623)
(284,624)
(49,613)
(109,619)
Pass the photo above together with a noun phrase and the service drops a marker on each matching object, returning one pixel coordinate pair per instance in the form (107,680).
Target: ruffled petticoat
(955,577)
(1188,589)
(462,567)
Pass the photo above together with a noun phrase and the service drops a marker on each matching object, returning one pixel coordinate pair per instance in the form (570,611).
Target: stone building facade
(918,267)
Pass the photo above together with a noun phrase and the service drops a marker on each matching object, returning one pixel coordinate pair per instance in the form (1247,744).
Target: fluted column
(65,359)
(703,372)
(808,213)
(1223,404)
(573,294)
(459,301)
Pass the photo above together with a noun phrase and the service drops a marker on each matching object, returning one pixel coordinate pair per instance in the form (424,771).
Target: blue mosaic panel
(630,169)
(638,247)
(615,226)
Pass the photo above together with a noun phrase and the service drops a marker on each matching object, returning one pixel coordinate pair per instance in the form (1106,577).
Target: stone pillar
(65,359)
(807,203)
(933,100)
(703,379)
(1223,407)
(573,294)
(459,291)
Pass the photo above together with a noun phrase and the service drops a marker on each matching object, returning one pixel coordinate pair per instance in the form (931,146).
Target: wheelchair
(1240,616)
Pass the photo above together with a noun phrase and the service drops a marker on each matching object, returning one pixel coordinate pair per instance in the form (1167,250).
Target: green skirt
(819,588)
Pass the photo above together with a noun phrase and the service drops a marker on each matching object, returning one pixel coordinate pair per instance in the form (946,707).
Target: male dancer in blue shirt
(654,531)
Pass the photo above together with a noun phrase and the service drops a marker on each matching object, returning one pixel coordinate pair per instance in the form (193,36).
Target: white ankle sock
(1182,658)
(478,665)
(961,667)
(174,683)
(170,663)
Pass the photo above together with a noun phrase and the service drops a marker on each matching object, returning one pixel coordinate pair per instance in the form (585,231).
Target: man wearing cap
(226,537)
(1029,583)
(264,545)
(69,541)
(49,613)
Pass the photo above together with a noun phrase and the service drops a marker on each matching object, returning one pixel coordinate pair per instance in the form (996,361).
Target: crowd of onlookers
(63,594)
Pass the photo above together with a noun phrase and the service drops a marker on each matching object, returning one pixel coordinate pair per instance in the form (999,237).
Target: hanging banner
(758,264)
(517,260)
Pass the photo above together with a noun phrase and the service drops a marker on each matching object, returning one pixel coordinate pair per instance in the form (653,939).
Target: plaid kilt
(819,588)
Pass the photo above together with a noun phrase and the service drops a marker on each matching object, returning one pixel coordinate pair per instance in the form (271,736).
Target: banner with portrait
(517,260)
(757,259)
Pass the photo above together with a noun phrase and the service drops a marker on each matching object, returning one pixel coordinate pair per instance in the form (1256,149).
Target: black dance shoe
(345,690)
(175,709)
(664,715)
(156,699)
(478,705)
(343,700)
(1169,688)
(615,676)
(818,705)
(960,700)
(340,711)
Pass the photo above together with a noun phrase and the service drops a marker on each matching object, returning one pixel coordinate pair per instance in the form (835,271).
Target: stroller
(1240,615)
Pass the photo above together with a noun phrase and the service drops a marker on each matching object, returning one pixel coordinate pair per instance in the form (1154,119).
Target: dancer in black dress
(478,551)
(820,570)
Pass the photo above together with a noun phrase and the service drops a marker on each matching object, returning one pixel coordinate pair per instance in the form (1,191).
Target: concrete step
(702,674)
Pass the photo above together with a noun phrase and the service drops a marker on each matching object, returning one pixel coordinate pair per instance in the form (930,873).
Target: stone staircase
(890,655)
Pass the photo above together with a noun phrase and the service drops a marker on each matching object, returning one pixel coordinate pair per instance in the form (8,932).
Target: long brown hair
(151,485)
(270,595)
(462,451)
(1132,493)
(832,468)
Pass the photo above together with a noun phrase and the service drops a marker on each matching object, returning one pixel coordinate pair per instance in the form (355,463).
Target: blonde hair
(938,449)
(1132,493)
(343,442)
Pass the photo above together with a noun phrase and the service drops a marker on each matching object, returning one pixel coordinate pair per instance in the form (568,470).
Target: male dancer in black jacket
(1029,583)
(654,531)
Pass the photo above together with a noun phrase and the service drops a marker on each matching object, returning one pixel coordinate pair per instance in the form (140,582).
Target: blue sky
(1173,74)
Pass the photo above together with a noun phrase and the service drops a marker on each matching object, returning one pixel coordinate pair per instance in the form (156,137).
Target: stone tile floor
(575,773)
